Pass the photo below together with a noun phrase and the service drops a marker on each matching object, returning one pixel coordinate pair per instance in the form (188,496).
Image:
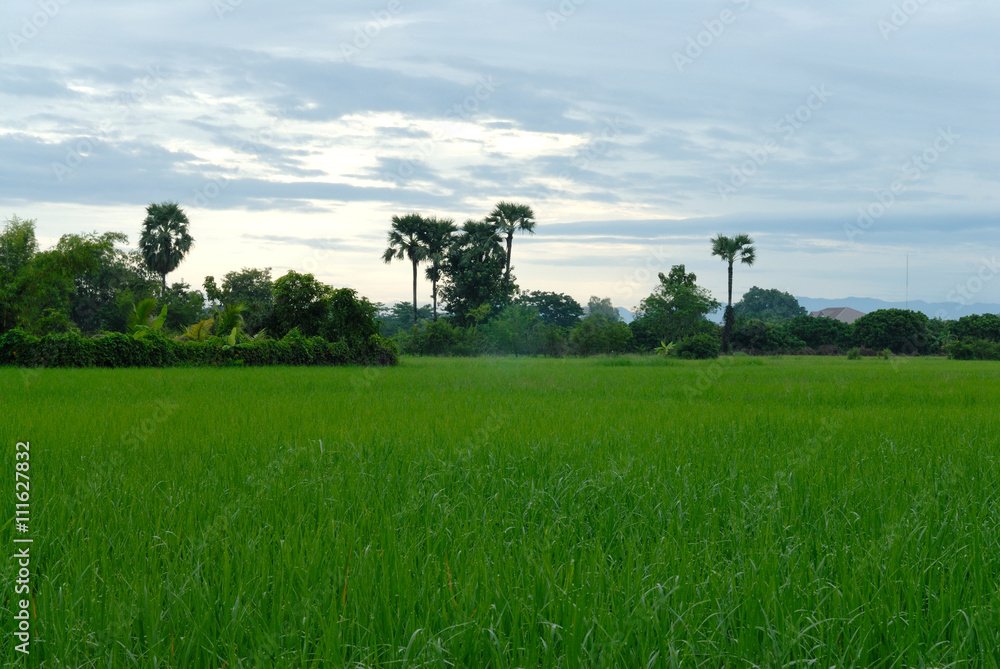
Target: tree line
(86,284)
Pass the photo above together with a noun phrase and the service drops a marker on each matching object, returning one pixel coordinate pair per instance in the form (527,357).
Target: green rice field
(521,512)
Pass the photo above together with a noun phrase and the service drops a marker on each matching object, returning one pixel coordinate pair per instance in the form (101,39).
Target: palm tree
(731,249)
(405,241)
(509,217)
(164,240)
(437,238)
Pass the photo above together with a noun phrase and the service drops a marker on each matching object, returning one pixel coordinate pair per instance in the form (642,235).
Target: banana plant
(200,331)
(142,321)
(664,348)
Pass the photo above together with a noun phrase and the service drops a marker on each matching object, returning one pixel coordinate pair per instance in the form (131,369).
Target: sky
(848,139)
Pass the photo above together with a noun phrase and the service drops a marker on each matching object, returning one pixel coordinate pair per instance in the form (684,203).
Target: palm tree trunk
(730,283)
(414,292)
(506,275)
(163,282)
(434,295)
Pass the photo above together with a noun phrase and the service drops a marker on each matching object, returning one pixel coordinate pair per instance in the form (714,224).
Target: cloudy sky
(842,136)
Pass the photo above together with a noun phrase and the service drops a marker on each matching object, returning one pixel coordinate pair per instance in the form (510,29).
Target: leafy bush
(115,349)
(899,330)
(596,334)
(699,347)
(756,335)
(973,349)
(820,332)
(979,326)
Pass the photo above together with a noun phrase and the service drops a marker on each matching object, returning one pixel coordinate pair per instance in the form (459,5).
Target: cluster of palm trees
(420,238)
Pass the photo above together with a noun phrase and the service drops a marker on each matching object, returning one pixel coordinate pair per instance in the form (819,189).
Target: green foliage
(516,330)
(144,320)
(898,330)
(556,309)
(474,273)
(18,245)
(597,306)
(973,349)
(769,305)
(599,335)
(300,301)
(854,354)
(184,306)
(351,320)
(676,309)
(757,335)
(508,218)
(165,239)
(979,326)
(399,317)
(436,237)
(703,346)
(156,350)
(821,332)
(253,288)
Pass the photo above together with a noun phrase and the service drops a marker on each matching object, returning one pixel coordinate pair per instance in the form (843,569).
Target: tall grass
(624,512)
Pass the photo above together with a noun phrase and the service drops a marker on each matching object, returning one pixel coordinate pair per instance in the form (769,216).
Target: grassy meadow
(608,512)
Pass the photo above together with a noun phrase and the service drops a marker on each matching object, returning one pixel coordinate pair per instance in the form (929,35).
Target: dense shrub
(973,349)
(699,347)
(597,334)
(155,350)
(817,333)
(756,335)
(899,330)
(979,326)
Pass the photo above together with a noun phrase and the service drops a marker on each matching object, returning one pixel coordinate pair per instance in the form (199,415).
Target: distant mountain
(946,310)
(627,315)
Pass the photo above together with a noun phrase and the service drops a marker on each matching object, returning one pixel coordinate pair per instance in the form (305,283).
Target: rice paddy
(610,512)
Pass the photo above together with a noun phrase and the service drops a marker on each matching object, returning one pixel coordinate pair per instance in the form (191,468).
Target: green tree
(405,240)
(598,306)
(437,236)
(899,330)
(977,326)
(95,306)
(473,273)
(677,308)
(300,301)
(820,332)
(770,305)
(508,218)
(184,307)
(400,317)
(554,308)
(250,287)
(165,239)
(44,284)
(731,249)
(18,245)
(598,334)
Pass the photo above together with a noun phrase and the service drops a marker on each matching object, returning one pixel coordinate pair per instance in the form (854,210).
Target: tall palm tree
(731,249)
(509,217)
(437,238)
(405,241)
(164,240)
